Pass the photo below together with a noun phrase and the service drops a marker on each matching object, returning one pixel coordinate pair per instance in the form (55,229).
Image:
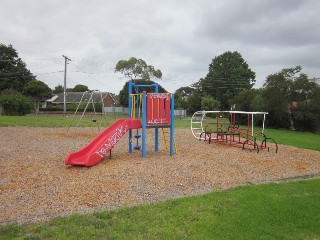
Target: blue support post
(130,85)
(156,130)
(144,124)
(172,126)
(137,135)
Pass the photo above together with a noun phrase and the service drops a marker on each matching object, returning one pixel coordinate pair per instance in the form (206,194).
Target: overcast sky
(179,37)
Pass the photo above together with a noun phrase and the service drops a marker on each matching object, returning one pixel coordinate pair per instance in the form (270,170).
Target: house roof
(76,97)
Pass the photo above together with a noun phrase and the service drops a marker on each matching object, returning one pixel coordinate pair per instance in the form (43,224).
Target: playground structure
(222,127)
(146,110)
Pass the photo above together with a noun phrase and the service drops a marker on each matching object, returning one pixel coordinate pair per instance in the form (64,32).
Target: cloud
(178,37)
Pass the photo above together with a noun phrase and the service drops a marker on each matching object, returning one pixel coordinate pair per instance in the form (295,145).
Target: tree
(257,103)
(209,103)
(79,88)
(248,100)
(302,87)
(184,92)
(306,114)
(14,103)
(178,102)
(181,96)
(228,75)
(58,89)
(38,91)
(290,99)
(137,69)
(194,103)
(123,95)
(13,71)
(277,97)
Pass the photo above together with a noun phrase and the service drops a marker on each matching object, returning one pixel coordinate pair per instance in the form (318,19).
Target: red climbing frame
(232,134)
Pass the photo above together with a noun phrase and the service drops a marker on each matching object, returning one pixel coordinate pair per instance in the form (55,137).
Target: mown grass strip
(289,210)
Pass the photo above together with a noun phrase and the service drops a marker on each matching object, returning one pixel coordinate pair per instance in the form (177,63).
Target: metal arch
(196,131)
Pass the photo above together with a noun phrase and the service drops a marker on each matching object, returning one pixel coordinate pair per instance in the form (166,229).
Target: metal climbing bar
(221,127)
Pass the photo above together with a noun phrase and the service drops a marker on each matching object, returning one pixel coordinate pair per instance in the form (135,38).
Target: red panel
(149,108)
(155,108)
(159,106)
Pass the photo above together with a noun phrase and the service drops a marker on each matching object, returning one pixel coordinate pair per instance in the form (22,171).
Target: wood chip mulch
(35,184)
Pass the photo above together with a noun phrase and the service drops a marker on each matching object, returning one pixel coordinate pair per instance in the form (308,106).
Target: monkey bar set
(222,127)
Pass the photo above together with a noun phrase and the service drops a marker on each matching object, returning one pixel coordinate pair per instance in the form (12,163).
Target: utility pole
(65,85)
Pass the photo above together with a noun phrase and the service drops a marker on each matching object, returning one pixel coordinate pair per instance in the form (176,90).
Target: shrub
(14,103)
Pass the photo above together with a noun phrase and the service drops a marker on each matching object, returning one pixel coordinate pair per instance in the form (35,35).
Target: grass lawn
(294,138)
(288,210)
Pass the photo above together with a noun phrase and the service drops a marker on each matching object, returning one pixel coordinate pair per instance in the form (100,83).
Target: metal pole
(172,126)
(144,124)
(65,85)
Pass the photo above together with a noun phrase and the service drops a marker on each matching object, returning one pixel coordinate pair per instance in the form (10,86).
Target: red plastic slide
(102,144)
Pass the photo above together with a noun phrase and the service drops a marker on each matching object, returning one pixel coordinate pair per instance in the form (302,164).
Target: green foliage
(184,91)
(73,107)
(137,69)
(52,108)
(178,102)
(248,100)
(228,75)
(277,98)
(97,107)
(123,95)
(302,88)
(303,118)
(38,91)
(58,89)
(288,210)
(13,71)
(181,97)
(209,103)
(306,115)
(14,103)
(194,103)
(290,86)
(79,88)
(257,103)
